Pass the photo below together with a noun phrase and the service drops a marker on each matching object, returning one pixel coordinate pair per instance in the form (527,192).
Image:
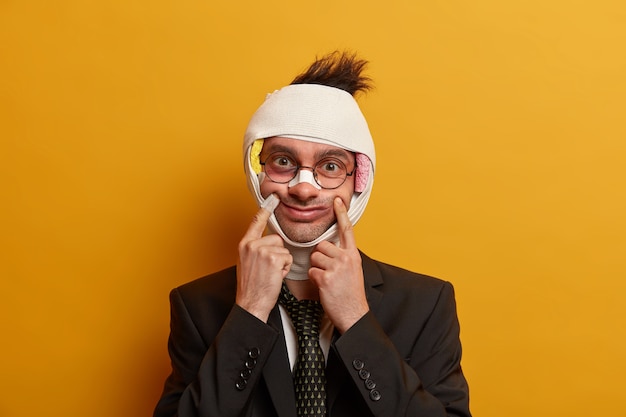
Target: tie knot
(305,314)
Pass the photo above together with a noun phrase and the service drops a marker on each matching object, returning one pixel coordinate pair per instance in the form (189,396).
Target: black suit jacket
(401,359)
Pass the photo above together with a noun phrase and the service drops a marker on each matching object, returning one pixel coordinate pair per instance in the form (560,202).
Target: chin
(303,232)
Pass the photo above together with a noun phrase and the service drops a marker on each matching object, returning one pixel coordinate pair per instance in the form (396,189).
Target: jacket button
(375,395)
(246,373)
(364,374)
(254,353)
(358,364)
(250,363)
(370,384)
(241,384)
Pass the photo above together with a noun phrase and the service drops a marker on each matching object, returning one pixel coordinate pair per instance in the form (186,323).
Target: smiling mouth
(302,213)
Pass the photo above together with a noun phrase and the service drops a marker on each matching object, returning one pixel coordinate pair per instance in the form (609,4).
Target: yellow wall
(501,144)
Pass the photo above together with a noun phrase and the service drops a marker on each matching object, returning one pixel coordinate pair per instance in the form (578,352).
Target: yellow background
(501,144)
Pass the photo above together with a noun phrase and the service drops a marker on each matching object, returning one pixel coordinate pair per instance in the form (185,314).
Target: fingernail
(270,203)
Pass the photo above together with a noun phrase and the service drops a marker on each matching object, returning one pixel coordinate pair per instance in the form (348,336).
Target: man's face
(306,212)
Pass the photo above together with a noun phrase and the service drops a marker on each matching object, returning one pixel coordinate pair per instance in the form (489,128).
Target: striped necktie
(309,377)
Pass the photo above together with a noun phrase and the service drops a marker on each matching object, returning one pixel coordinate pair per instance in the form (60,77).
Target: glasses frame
(298,167)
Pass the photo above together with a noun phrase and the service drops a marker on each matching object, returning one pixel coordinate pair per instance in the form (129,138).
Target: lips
(300,213)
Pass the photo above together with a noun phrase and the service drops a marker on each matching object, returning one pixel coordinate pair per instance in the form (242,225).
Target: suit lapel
(373,279)
(277,373)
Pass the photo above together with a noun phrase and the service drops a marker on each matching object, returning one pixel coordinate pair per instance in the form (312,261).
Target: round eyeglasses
(329,173)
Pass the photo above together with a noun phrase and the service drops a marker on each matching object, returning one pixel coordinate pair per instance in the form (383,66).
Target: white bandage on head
(319,114)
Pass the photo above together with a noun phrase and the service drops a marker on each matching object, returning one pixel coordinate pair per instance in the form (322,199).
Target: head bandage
(314,113)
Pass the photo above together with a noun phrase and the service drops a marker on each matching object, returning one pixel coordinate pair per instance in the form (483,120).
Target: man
(377,341)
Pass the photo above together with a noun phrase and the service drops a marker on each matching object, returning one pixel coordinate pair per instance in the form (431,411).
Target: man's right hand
(263,264)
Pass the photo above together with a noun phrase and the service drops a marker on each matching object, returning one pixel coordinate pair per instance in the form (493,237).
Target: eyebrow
(334,152)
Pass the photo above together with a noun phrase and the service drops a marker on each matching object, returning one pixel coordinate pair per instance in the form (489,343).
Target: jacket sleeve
(213,378)
(429,382)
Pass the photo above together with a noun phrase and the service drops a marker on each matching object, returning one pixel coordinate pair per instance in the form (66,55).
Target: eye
(282,161)
(331,167)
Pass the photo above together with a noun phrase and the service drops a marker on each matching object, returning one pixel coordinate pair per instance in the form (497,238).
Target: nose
(304,174)
(303,185)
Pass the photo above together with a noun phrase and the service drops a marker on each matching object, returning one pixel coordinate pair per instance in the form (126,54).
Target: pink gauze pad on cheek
(363,165)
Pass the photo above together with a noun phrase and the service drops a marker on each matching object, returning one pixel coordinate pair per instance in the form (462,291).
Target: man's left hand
(338,274)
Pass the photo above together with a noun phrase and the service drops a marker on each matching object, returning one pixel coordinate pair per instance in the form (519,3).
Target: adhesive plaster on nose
(304,175)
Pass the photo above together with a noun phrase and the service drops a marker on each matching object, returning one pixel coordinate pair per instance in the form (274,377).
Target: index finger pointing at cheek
(255,231)
(346,236)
